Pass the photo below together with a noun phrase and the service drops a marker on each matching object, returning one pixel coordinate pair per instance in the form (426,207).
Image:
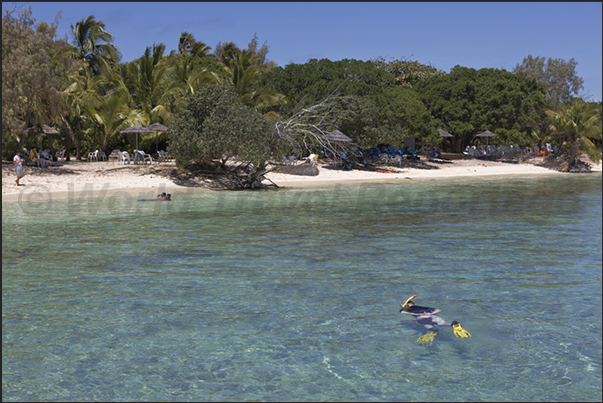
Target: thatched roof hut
(38,128)
(444,133)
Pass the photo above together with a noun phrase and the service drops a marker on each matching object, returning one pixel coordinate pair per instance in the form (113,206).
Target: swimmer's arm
(435,311)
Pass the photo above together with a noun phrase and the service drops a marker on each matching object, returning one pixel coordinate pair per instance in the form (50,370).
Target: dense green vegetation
(233,103)
(468,101)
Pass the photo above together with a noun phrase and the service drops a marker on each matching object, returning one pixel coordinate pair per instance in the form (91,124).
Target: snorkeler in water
(427,317)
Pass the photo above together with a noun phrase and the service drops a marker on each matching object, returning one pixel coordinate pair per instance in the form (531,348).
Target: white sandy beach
(84,177)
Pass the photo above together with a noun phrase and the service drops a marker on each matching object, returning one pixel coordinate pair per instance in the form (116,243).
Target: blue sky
(443,35)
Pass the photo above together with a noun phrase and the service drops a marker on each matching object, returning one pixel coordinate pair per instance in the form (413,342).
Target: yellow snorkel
(407,301)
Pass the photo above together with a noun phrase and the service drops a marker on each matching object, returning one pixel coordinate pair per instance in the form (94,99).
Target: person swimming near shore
(160,197)
(427,317)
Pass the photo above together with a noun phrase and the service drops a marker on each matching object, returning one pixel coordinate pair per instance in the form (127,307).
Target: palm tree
(226,52)
(83,92)
(188,45)
(185,43)
(575,124)
(93,45)
(148,82)
(187,77)
(200,49)
(113,115)
(244,72)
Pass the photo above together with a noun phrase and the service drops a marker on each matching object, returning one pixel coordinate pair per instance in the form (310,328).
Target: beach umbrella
(136,129)
(43,129)
(487,134)
(157,127)
(336,135)
(338,138)
(444,134)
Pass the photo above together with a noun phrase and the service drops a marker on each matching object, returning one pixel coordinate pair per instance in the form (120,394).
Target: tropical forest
(232,109)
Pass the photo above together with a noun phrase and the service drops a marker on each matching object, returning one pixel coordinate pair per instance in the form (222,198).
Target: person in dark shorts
(427,317)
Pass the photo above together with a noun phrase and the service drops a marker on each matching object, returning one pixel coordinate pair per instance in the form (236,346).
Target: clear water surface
(292,295)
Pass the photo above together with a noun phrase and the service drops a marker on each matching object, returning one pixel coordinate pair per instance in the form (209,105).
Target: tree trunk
(73,138)
(50,146)
(573,152)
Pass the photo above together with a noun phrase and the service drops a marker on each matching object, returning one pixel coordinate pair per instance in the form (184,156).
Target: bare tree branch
(306,128)
(15,7)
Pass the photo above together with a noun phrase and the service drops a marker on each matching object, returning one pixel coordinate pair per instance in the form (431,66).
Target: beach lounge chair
(115,156)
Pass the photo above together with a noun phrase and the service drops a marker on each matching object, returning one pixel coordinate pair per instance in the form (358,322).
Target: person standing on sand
(18,162)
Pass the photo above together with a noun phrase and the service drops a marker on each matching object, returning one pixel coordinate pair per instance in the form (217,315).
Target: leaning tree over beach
(372,108)
(216,131)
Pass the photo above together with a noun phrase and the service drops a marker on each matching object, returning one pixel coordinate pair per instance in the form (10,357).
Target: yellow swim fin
(427,338)
(459,331)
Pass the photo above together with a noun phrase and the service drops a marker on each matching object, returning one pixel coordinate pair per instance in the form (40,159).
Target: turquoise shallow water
(293,295)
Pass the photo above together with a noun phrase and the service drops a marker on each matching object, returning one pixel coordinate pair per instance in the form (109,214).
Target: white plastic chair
(162,155)
(396,160)
(140,156)
(93,156)
(292,160)
(125,156)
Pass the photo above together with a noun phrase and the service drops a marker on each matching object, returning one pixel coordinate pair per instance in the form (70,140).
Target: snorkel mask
(407,301)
